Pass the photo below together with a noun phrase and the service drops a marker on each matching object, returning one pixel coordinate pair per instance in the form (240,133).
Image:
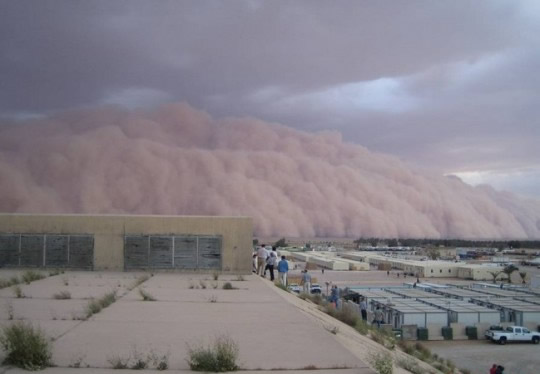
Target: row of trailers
(434,306)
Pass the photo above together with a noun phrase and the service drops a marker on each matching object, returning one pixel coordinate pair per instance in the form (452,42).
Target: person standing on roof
(363,308)
(271,262)
(283,269)
(378,317)
(306,281)
(262,254)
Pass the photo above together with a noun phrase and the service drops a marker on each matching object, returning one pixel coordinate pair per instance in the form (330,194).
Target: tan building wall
(109,231)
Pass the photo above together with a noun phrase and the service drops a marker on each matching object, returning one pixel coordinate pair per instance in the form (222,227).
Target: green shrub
(9,282)
(17,291)
(26,346)
(146,296)
(387,339)
(62,295)
(382,363)
(118,362)
(411,366)
(362,327)
(220,357)
(31,275)
(96,305)
(346,314)
(228,286)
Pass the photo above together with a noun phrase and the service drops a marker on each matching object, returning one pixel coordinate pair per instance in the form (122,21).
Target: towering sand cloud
(178,160)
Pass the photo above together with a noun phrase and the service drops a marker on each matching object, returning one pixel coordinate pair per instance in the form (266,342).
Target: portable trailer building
(468,314)
(400,312)
(534,299)
(412,293)
(370,294)
(518,312)
(497,292)
(459,293)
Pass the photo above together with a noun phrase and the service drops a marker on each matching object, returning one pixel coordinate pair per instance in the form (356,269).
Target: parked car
(315,288)
(513,334)
(293,287)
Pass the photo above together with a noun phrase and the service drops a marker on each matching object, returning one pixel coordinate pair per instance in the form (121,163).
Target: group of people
(267,260)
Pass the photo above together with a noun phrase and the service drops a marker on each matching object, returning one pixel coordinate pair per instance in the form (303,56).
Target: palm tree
(508,270)
(523,275)
(495,274)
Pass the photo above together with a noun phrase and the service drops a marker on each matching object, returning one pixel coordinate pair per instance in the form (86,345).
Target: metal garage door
(56,250)
(168,252)
(81,251)
(185,252)
(32,250)
(51,250)
(9,250)
(209,252)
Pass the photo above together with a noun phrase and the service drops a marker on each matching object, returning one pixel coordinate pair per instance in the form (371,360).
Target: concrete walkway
(190,310)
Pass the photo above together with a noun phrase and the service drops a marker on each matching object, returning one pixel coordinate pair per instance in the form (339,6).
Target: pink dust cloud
(177,160)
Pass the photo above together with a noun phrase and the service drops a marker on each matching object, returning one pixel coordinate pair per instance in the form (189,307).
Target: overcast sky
(446,85)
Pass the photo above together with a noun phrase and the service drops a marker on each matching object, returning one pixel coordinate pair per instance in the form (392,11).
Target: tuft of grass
(383,337)
(54,272)
(228,286)
(62,295)
(191,286)
(17,291)
(203,284)
(146,296)
(219,357)
(362,327)
(465,371)
(160,362)
(346,314)
(282,286)
(96,305)
(239,278)
(10,311)
(215,285)
(27,347)
(215,275)
(65,281)
(140,280)
(9,282)
(31,275)
(411,366)
(118,362)
(213,299)
(382,363)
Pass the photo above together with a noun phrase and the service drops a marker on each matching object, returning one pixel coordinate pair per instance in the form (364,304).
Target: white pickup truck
(513,334)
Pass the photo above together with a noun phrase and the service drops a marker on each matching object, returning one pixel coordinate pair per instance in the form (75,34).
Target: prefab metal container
(400,312)
(466,313)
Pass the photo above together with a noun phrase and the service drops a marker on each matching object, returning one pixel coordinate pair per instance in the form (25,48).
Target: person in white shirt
(306,282)
(262,254)
(271,262)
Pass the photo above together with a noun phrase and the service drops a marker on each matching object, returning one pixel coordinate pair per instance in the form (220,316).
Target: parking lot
(479,355)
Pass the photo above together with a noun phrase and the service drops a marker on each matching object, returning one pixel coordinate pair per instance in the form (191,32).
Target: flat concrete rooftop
(190,309)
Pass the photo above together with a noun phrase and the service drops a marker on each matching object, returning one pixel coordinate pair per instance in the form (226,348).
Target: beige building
(124,242)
